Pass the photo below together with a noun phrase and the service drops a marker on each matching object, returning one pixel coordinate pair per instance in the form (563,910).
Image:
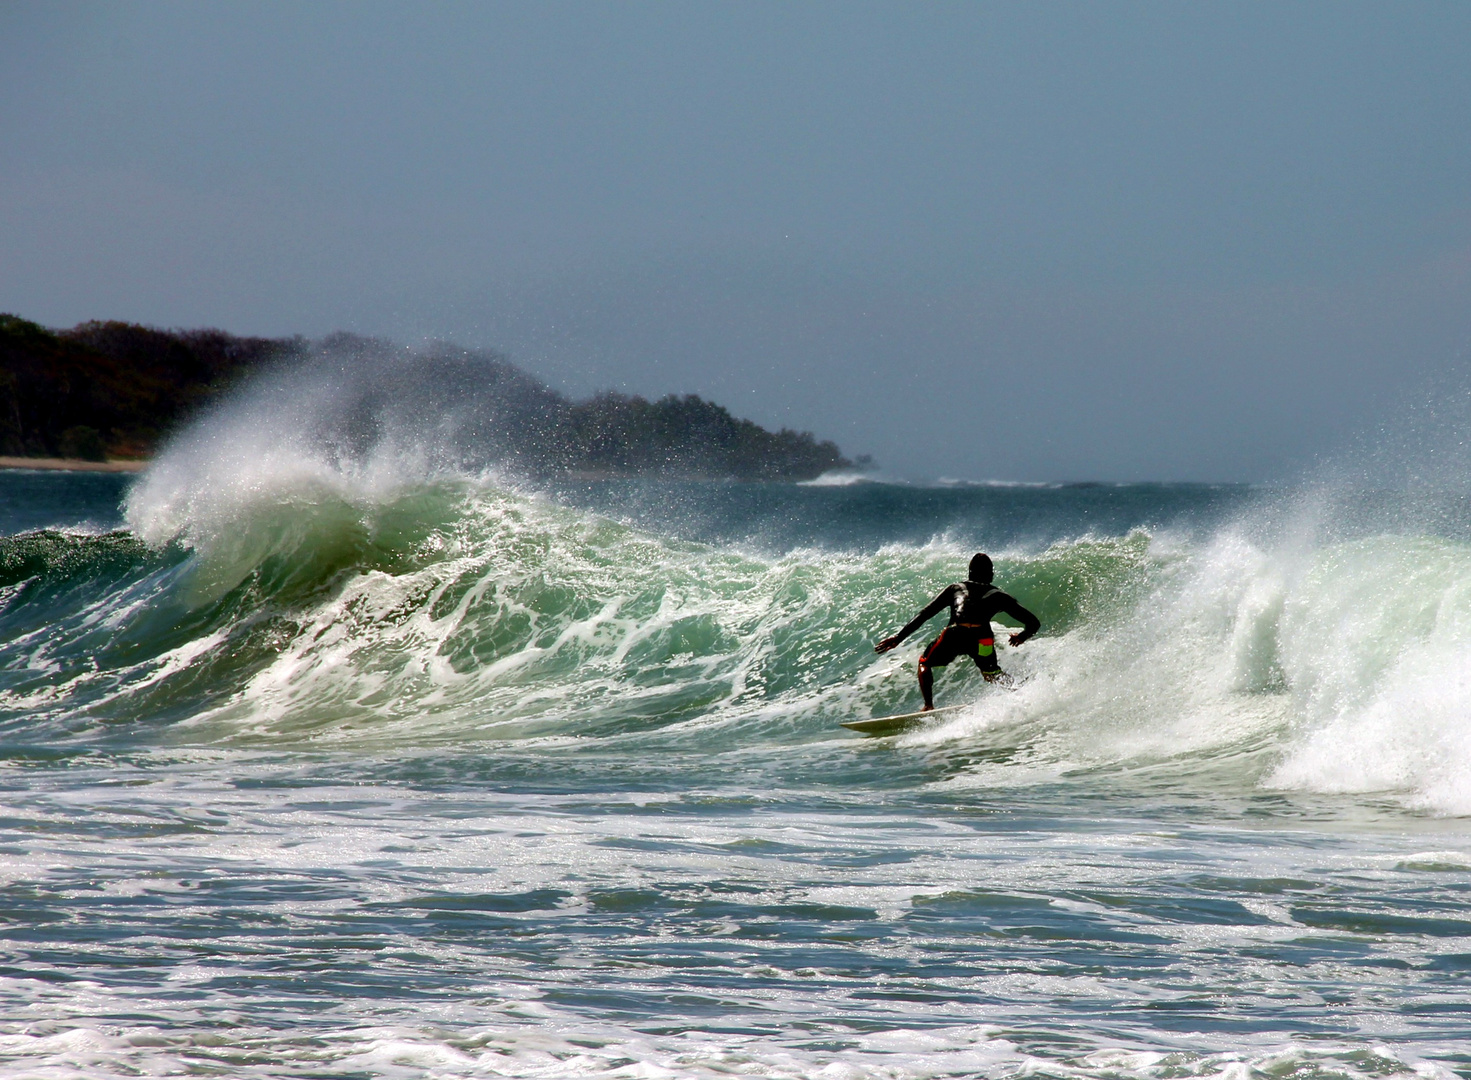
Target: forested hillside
(113,389)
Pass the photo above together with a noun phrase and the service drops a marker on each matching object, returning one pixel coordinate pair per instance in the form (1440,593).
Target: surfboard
(892,725)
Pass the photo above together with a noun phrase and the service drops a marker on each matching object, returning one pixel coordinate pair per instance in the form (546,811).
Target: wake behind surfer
(973,603)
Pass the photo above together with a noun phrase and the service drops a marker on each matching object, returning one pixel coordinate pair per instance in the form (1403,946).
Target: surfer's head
(980,567)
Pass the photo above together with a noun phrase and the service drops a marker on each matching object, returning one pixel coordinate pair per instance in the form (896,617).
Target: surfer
(973,603)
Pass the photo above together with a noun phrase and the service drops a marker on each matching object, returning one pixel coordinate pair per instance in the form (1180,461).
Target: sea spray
(1376,647)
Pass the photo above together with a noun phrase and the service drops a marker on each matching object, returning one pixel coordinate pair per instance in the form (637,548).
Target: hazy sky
(1026,241)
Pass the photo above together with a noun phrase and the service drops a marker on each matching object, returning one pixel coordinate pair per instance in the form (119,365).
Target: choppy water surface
(322,771)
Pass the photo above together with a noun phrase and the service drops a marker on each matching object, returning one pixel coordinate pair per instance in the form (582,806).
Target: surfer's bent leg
(937,653)
(926,684)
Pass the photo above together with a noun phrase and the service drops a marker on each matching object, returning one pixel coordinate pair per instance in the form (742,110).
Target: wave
(330,606)
(276,594)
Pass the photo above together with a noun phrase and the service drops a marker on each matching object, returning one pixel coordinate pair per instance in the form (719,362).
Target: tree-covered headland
(117,390)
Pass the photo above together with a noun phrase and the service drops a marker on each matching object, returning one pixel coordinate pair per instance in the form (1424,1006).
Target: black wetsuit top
(974,603)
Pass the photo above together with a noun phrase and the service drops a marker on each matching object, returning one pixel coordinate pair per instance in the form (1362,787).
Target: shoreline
(120,465)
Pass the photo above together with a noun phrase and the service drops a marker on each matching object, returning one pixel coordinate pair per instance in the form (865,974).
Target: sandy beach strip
(73,464)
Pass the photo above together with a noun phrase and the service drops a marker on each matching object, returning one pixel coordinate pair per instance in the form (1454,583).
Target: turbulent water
(316,768)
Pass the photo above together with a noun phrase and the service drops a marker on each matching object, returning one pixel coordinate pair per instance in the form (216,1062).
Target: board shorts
(957,640)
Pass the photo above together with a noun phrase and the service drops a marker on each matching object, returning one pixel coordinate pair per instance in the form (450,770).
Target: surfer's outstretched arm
(1030,623)
(933,608)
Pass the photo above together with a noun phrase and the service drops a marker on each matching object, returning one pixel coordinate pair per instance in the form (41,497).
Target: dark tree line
(688,436)
(111,388)
(116,389)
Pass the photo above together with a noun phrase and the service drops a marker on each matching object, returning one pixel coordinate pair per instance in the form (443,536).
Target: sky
(1047,241)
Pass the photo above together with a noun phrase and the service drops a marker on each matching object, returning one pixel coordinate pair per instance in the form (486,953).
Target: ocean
(321,768)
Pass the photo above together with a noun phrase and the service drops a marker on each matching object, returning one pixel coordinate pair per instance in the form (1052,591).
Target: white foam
(1376,646)
(843,478)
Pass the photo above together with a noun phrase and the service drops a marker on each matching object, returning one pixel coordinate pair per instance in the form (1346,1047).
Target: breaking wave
(283,598)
